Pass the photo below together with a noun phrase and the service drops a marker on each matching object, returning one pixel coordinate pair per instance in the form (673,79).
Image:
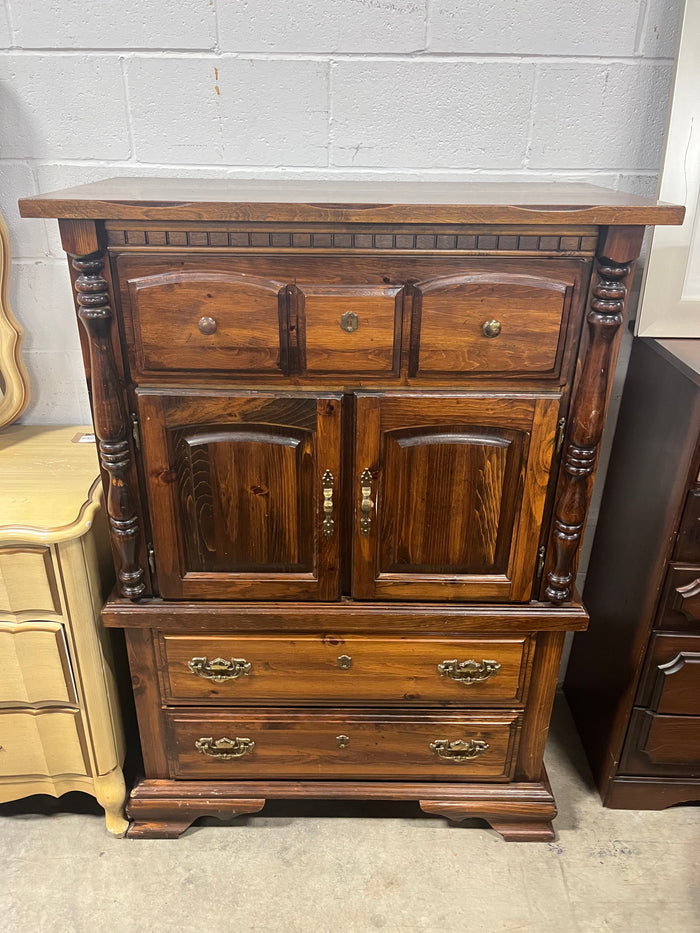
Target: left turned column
(93,304)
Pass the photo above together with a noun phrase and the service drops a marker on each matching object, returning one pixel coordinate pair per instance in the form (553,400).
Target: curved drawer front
(308,669)
(34,664)
(44,743)
(342,744)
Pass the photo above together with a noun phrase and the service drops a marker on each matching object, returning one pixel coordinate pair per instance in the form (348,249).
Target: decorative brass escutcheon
(328,523)
(366,504)
(349,322)
(459,750)
(491,328)
(469,672)
(342,741)
(224,747)
(219,669)
(344,662)
(207,325)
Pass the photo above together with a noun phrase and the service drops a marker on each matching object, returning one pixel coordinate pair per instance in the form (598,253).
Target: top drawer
(424,317)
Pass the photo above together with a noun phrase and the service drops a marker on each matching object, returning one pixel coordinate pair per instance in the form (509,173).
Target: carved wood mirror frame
(14,381)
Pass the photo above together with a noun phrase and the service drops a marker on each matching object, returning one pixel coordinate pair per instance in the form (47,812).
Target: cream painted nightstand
(60,723)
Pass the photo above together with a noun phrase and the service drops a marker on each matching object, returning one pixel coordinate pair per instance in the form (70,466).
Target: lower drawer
(671,679)
(663,745)
(342,744)
(41,742)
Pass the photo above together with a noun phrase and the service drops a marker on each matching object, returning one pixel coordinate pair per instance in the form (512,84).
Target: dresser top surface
(49,487)
(349,202)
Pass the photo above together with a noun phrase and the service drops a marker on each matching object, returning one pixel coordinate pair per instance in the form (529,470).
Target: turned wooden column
(112,426)
(618,248)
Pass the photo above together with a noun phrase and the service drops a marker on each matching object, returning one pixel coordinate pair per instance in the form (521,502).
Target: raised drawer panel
(671,679)
(304,670)
(680,601)
(349,328)
(34,664)
(43,743)
(342,744)
(487,322)
(688,541)
(27,580)
(657,744)
(208,318)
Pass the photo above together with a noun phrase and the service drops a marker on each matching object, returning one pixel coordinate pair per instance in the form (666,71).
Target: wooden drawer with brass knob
(284,743)
(309,669)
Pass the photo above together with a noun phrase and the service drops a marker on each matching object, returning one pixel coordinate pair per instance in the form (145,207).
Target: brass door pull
(220,669)
(366,504)
(224,747)
(328,523)
(459,750)
(469,672)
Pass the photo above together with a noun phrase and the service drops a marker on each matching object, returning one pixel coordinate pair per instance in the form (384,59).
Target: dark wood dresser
(348,434)
(633,681)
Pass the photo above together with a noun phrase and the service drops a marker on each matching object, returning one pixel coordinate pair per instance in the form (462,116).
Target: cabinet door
(449,493)
(243,491)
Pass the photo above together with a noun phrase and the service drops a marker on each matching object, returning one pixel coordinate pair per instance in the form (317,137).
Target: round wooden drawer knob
(207,325)
(491,328)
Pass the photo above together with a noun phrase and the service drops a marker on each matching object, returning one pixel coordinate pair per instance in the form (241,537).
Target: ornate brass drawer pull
(220,669)
(342,741)
(328,523)
(344,662)
(491,328)
(224,747)
(459,750)
(469,672)
(366,504)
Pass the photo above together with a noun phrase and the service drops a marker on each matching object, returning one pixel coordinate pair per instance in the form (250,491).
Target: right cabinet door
(449,494)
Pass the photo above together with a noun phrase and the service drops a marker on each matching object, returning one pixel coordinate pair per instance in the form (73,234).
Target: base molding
(640,793)
(163,809)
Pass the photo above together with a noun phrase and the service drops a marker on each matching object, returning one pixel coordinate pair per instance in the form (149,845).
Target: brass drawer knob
(459,750)
(224,748)
(344,662)
(342,741)
(207,325)
(219,669)
(469,672)
(491,328)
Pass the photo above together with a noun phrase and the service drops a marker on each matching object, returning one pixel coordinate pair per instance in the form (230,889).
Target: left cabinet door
(244,493)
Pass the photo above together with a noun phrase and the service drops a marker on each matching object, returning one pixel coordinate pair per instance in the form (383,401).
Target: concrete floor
(357,868)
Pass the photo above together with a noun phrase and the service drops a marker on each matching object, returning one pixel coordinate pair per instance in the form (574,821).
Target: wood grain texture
(608,301)
(380,744)
(306,669)
(383,202)
(111,424)
(236,481)
(28,580)
(161,808)
(344,616)
(457,499)
(449,314)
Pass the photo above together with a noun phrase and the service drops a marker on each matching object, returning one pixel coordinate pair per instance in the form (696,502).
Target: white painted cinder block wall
(546,90)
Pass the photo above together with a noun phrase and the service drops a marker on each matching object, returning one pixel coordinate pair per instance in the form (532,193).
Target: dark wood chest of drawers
(348,435)
(634,678)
